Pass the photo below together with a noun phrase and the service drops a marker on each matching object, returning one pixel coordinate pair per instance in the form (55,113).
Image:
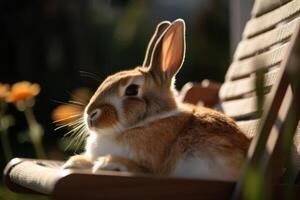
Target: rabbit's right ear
(160,28)
(169,51)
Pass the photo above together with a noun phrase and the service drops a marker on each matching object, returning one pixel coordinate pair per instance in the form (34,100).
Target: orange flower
(4,91)
(66,113)
(21,91)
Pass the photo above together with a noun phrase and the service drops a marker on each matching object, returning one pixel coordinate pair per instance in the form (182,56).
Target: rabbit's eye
(132,90)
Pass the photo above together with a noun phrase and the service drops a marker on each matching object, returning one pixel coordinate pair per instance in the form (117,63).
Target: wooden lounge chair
(271,47)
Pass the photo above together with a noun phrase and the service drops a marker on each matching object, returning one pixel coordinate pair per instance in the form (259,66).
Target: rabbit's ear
(169,51)
(161,27)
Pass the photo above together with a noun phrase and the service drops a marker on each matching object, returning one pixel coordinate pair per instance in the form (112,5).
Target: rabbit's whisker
(90,75)
(78,135)
(67,118)
(77,121)
(59,102)
(77,103)
(78,99)
(74,131)
(81,137)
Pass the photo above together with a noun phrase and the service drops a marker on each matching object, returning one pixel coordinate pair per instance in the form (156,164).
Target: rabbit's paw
(78,162)
(108,163)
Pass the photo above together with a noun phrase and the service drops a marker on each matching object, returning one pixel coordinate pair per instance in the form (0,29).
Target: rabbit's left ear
(169,51)
(161,27)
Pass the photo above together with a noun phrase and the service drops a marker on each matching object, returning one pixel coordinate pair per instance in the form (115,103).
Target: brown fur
(161,143)
(110,86)
(109,117)
(132,117)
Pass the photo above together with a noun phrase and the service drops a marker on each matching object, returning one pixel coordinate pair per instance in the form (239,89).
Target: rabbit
(136,123)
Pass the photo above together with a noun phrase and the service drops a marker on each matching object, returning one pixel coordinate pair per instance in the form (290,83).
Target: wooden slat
(240,108)
(247,66)
(249,127)
(263,6)
(259,43)
(269,20)
(233,89)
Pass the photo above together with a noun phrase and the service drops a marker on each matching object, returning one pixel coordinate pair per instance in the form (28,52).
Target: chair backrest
(265,42)
(264,46)
(259,67)
(271,147)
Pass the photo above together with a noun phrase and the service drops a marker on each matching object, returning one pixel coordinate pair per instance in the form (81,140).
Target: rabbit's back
(213,129)
(211,146)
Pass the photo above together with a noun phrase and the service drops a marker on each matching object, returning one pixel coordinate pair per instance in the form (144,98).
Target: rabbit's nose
(93,117)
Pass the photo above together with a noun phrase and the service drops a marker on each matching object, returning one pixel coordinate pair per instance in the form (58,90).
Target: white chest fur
(104,144)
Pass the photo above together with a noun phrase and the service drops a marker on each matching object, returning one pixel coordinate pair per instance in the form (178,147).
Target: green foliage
(254,188)
(6,194)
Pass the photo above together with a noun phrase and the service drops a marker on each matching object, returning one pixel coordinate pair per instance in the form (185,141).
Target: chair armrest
(205,93)
(32,176)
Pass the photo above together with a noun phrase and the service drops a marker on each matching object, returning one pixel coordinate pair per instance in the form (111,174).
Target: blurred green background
(49,42)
